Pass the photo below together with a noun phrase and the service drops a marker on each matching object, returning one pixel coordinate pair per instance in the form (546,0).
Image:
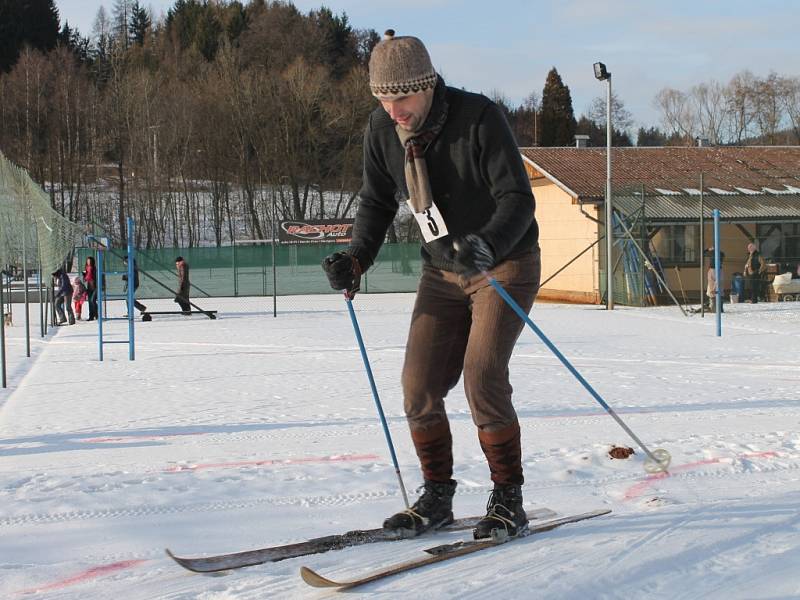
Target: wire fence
(31,232)
(258,270)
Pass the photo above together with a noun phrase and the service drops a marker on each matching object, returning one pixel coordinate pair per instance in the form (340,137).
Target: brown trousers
(462,325)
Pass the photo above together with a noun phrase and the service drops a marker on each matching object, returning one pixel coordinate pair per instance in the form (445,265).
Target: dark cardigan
(477,178)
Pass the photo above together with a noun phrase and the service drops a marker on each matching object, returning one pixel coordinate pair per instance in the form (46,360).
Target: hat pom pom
(388,34)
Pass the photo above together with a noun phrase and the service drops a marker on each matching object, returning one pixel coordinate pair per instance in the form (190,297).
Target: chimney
(581,140)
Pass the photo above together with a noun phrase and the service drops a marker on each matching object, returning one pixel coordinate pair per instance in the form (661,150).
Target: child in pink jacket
(79,296)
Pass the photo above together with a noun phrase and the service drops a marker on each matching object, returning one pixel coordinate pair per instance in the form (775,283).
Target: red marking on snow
(638,489)
(92,573)
(261,463)
(135,438)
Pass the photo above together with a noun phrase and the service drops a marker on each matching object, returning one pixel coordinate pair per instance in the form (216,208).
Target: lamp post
(602,74)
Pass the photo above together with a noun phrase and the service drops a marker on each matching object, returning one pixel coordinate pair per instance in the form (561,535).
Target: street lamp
(602,74)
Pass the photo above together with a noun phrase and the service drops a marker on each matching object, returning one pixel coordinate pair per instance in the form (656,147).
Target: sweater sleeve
(504,174)
(377,205)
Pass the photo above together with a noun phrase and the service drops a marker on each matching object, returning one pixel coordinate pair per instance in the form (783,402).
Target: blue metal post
(99,282)
(131,291)
(717,271)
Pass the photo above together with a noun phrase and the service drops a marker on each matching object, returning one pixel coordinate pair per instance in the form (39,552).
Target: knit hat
(400,66)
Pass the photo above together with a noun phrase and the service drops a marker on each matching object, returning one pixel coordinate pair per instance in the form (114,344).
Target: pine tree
(652,136)
(73,40)
(140,23)
(338,48)
(121,18)
(34,23)
(557,121)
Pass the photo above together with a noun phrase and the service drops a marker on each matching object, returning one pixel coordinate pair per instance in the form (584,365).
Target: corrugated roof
(767,170)
(733,208)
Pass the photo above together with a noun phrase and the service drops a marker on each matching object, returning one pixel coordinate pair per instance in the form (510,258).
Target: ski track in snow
(235,434)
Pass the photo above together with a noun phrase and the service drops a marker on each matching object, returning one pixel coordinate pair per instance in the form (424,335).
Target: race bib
(431,223)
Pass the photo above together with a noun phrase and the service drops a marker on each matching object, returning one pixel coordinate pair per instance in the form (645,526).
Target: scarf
(416,143)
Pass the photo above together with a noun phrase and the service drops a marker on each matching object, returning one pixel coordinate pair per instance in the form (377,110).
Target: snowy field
(252,431)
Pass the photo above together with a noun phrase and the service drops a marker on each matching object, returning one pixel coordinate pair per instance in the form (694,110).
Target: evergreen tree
(557,121)
(102,47)
(597,133)
(140,23)
(651,137)
(366,40)
(34,22)
(338,48)
(195,24)
(121,20)
(235,20)
(75,42)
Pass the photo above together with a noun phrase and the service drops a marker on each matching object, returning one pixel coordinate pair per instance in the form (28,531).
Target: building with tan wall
(658,193)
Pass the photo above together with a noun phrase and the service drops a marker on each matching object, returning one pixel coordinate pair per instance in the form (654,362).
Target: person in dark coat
(754,269)
(182,296)
(63,297)
(139,306)
(452,155)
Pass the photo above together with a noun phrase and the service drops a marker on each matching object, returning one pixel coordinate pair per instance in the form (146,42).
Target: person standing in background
(182,297)
(79,296)
(63,298)
(90,281)
(754,269)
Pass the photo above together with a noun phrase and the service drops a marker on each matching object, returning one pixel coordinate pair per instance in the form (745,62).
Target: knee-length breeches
(463,325)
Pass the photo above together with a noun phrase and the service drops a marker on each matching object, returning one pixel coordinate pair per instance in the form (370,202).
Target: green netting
(28,224)
(247,270)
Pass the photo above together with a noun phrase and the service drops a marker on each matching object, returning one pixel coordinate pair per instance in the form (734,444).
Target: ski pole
(375,396)
(659,459)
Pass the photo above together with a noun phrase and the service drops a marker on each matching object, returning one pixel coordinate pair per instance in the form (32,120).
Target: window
(779,242)
(677,244)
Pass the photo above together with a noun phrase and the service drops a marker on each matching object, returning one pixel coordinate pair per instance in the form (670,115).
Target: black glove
(343,271)
(473,255)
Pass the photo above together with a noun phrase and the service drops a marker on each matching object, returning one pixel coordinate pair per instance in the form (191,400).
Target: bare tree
(768,109)
(710,107)
(789,98)
(740,105)
(677,115)
(621,118)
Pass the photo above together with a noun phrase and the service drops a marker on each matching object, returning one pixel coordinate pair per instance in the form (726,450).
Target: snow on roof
(748,191)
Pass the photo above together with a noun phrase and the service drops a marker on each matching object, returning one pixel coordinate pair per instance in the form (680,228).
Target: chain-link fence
(31,232)
(258,270)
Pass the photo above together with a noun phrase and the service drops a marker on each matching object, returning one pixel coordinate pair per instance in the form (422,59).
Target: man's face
(409,112)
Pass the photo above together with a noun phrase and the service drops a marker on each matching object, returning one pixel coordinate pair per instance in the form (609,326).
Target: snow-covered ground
(251,431)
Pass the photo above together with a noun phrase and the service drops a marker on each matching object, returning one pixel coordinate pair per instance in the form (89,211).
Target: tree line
(219,119)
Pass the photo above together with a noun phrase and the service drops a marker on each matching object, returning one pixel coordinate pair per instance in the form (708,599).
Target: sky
(510,45)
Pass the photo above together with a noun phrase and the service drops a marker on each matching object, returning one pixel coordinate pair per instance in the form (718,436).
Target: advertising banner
(316,232)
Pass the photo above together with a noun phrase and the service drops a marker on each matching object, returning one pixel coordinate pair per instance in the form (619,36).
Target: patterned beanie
(400,66)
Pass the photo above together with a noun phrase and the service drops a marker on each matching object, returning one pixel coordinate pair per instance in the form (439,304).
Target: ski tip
(314,579)
(178,560)
(185,563)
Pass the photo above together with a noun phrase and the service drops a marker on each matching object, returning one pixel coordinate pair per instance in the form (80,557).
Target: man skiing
(451,154)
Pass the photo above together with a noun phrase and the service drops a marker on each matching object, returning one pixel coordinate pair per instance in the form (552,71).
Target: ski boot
(505,517)
(432,510)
